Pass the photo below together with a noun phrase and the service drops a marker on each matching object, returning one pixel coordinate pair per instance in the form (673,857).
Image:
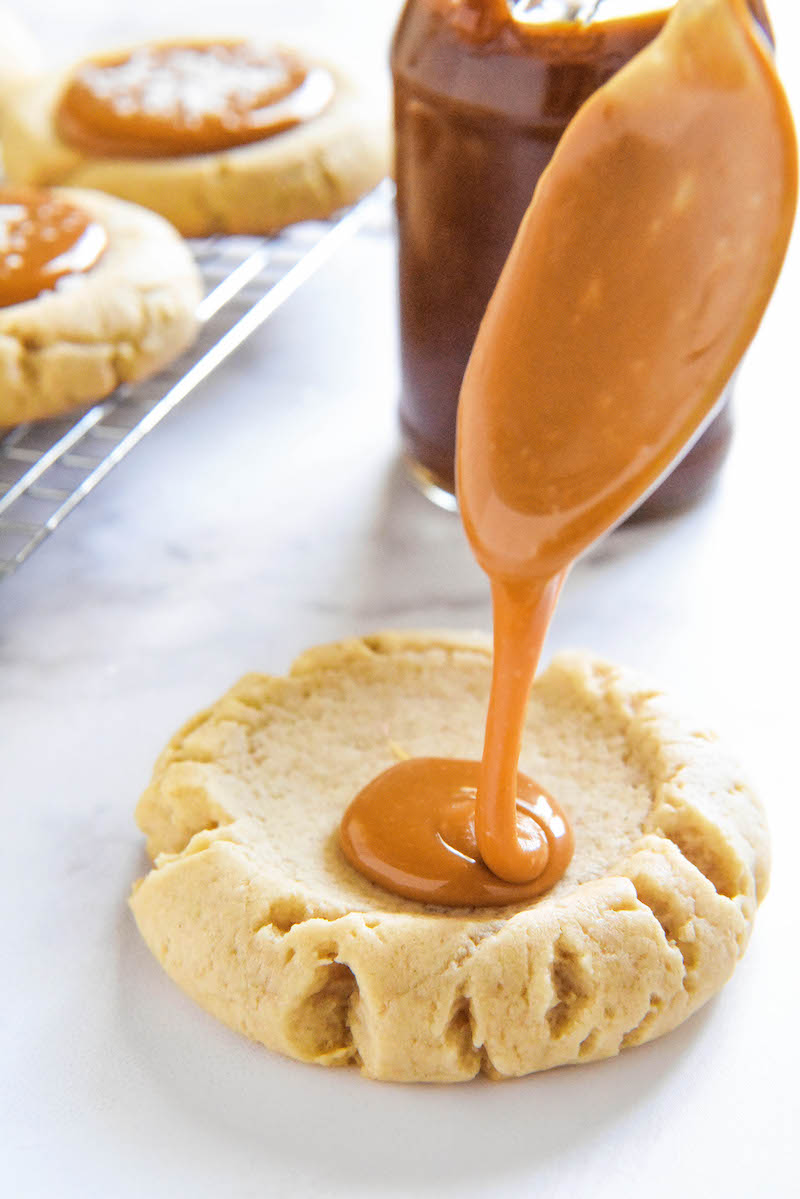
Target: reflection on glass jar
(483,91)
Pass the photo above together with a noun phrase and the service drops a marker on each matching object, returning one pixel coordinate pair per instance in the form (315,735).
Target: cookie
(307,170)
(253,910)
(123,318)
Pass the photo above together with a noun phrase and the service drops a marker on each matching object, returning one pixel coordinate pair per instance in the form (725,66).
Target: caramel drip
(637,279)
(522,614)
(42,240)
(176,99)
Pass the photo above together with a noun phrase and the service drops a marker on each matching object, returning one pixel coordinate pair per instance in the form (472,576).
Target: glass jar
(483,90)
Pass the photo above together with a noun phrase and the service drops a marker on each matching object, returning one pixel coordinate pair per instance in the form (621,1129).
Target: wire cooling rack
(47,468)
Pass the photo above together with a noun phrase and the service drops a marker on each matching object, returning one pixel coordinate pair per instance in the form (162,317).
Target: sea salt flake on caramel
(176,99)
(43,241)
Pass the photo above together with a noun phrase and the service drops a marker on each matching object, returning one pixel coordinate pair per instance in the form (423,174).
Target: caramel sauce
(482,97)
(412,830)
(176,99)
(43,239)
(637,279)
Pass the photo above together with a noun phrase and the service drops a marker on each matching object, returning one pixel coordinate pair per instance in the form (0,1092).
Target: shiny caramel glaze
(638,277)
(43,238)
(180,98)
(412,830)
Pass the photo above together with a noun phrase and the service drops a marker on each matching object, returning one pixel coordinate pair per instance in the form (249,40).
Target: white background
(269,513)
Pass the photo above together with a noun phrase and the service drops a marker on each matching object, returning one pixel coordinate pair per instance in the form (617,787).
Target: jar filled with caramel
(483,91)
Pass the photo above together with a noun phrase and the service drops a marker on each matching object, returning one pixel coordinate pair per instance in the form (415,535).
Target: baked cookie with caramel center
(253,909)
(225,136)
(94,292)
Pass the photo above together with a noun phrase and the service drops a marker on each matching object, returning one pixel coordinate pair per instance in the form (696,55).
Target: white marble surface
(267,514)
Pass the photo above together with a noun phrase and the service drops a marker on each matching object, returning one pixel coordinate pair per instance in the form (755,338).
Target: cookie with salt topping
(218,137)
(252,909)
(94,292)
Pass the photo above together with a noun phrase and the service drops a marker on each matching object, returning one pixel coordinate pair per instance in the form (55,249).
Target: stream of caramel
(638,277)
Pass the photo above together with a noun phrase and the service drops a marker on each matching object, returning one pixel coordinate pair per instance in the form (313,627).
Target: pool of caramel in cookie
(174,99)
(412,830)
(43,239)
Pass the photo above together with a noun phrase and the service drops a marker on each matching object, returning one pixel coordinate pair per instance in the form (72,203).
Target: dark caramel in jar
(481,101)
